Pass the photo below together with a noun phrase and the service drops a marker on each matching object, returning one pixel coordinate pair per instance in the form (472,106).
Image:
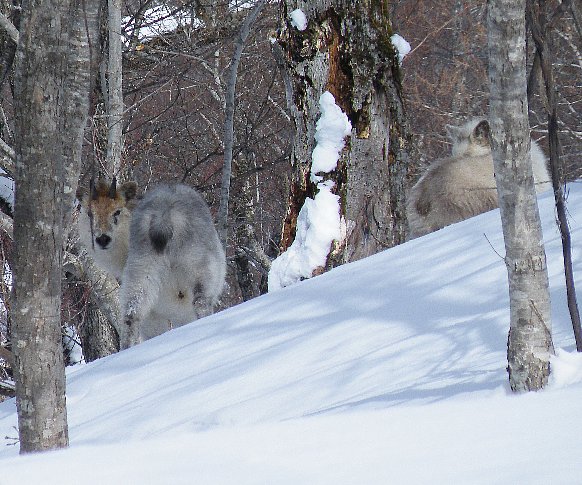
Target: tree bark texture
(530,340)
(98,337)
(114,94)
(346,49)
(537,19)
(97,331)
(229,120)
(47,144)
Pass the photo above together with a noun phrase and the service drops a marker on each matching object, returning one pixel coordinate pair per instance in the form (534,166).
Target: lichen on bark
(346,49)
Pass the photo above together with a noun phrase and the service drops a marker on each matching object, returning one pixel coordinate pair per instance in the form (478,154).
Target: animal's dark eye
(116,215)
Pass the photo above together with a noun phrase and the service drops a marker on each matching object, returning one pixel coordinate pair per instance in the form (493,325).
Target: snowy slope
(388,370)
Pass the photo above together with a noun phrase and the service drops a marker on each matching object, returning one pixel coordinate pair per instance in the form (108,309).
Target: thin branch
(8,156)
(229,119)
(9,28)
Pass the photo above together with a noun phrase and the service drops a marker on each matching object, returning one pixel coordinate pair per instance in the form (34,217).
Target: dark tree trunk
(538,23)
(346,50)
(97,335)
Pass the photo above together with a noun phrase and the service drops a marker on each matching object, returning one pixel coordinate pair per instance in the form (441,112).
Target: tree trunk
(97,329)
(84,62)
(229,120)
(346,50)
(50,81)
(114,92)
(98,337)
(530,340)
(538,24)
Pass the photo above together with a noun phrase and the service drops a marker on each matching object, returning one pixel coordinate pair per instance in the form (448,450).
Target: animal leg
(203,306)
(139,294)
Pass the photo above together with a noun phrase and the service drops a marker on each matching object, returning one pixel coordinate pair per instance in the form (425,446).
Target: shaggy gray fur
(463,185)
(175,265)
(163,248)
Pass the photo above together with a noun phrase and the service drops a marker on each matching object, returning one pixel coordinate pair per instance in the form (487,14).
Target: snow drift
(388,370)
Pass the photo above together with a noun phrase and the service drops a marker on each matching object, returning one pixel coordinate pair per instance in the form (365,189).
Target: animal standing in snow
(164,248)
(463,185)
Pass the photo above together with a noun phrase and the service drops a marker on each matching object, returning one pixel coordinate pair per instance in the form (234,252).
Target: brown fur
(107,213)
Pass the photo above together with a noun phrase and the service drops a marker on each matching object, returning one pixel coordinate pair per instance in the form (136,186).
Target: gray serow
(463,185)
(174,266)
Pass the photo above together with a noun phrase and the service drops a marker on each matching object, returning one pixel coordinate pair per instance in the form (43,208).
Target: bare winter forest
(176,67)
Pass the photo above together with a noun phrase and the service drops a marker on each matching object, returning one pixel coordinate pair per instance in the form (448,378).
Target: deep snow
(387,370)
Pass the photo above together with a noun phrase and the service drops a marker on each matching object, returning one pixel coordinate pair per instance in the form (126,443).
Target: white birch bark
(530,341)
(114,94)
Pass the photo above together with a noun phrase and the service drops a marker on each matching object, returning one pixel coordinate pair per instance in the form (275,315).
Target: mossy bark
(346,50)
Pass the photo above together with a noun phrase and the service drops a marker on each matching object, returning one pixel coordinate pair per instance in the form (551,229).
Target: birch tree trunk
(229,120)
(51,91)
(538,21)
(530,340)
(114,92)
(98,334)
(346,50)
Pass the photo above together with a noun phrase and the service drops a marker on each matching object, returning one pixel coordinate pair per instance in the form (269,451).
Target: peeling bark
(346,49)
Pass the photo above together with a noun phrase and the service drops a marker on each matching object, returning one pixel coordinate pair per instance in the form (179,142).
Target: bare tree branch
(8,156)
(9,28)
(229,119)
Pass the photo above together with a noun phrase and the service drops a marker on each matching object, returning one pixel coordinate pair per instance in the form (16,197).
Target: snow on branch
(298,19)
(402,46)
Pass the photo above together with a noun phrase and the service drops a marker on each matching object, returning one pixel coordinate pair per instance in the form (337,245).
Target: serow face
(108,209)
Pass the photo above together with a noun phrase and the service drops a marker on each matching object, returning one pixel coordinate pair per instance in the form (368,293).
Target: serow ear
(128,191)
(81,194)
(452,132)
(113,188)
(482,131)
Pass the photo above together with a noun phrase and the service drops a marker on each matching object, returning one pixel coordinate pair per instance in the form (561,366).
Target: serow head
(108,207)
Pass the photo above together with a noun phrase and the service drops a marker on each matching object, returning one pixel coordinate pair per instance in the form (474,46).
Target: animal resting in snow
(163,248)
(463,185)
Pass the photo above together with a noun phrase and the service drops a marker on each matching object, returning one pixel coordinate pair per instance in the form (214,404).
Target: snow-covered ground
(390,370)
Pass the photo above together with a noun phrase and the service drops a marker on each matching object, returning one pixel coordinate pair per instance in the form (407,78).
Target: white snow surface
(159,20)
(298,19)
(318,222)
(390,370)
(402,46)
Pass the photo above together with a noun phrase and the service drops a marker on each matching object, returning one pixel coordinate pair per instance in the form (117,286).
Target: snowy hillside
(390,370)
